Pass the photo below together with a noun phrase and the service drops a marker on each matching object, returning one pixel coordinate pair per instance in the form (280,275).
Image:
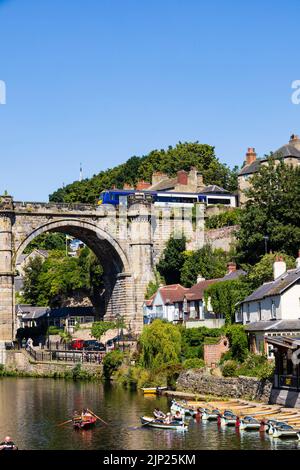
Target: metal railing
(90,357)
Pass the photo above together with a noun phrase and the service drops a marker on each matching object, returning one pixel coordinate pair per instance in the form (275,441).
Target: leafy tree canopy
(182,156)
(160,344)
(172,260)
(273,211)
(208,262)
(47,241)
(263,270)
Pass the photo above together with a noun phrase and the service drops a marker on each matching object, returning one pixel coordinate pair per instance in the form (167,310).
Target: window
(259,310)
(273,310)
(248,313)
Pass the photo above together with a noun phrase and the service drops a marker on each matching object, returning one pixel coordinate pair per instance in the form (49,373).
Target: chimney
(182,177)
(127,186)
(295,141)
(200,182)
(142,185)
(231,267)
(279,267)
(250,156)
(200,278)
(157,176)
(298,260)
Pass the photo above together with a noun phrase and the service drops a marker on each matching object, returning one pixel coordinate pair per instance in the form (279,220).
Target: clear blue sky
(98,81)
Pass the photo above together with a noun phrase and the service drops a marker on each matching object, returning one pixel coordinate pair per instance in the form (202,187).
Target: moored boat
(159,423)
(184,410)
(210,415)
(249,423)
(284,430)
(153,390)
(228,418)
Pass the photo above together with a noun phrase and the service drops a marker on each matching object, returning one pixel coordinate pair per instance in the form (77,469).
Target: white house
(165,303)
(274,308)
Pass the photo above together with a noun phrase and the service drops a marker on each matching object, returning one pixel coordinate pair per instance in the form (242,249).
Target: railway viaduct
(126,241)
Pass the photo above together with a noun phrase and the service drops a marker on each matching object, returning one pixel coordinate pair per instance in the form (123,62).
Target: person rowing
(168,419)
(177,416)
(8,444)
(158,414)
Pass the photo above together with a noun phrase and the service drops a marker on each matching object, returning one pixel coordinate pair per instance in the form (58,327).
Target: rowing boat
(228,418)
(182,409)
(210,415)
(249,423)
(158,423)
(153,390)
(87,422)
(285,430)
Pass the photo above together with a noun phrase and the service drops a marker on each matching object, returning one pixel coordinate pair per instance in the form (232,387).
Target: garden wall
(199,381)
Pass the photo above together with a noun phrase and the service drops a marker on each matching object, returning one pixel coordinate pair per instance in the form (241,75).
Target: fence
(92,357)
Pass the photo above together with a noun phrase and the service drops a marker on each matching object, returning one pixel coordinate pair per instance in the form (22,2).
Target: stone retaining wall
(199,381)
(20,361)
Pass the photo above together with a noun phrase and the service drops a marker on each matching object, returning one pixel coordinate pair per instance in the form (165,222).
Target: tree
(47,241)
(160,345)
(225,295)
(263,270)
(171,262)
(31,289)
(238,342)
(207,262)
(181,157)
(99,328)
(273,211)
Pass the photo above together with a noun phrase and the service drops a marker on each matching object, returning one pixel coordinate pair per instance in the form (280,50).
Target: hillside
(182,156)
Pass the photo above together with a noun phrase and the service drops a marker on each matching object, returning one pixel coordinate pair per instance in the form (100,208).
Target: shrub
(194,363)
(54,330)
(229,368)
(225,357)
(111,362)
(238,342)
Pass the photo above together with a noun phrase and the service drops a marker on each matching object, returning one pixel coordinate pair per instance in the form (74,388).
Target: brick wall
(213,352)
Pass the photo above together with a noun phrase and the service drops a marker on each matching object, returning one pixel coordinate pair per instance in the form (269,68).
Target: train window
(218,201)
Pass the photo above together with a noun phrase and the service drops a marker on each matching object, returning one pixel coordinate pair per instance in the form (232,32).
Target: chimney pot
(250,155)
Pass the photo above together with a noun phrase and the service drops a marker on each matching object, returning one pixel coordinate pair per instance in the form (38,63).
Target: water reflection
(30,410)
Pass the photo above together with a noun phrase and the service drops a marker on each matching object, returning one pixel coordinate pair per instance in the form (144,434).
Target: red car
(77,344)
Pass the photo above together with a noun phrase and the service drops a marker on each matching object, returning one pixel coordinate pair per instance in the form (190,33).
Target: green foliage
(229,368)
(183,156)
(172,260)
(238,342)
(224,219)
(257,366)
(224,296)
(78,373)
(111,362)
(207,262)
(273,210)
(46,282)
(99,328)
(160,344)
(53,330)
(193,340)
(263,270)
(194,363)
(65,337)
(153,286)
(47,241)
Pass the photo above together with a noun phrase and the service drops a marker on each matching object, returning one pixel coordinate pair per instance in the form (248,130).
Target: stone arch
(117,276)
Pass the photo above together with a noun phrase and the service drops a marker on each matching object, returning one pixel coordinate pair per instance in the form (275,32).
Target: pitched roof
(276,287)
(286,151)
(167,183)
(31,312)
(274,325)
(250,169)
(233,275)
(196,292)
(213,188)
(172,293)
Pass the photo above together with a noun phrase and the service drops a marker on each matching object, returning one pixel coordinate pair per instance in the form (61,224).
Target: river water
(30,410)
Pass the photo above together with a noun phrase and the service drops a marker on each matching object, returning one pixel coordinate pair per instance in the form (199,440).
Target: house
(24,260)
(273,309)
(289,153)
(179,304)
(65,317)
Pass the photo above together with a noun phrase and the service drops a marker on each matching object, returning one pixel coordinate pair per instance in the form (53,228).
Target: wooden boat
(210,415)
(83,422)
(158,423)
(184,410)
(153,390)
(228,418)
(249,423)
(285,430)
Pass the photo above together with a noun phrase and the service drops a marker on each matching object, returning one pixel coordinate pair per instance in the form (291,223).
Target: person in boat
(168,419)
(8,444)
(158,414)
(86,415)
(198,415)
(177,416)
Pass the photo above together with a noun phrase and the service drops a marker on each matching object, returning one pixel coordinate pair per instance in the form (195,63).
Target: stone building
(289,153)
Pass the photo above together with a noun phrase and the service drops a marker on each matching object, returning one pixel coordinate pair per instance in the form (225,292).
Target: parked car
(77,344)
(93,345)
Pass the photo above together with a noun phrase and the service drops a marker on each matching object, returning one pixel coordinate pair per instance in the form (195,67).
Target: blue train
(165,198)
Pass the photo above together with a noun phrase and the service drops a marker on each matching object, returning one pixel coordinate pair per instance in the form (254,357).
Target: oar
(148,422)
(66,422)
(100,419)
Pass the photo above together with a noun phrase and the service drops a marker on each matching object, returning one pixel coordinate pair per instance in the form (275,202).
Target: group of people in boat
(167,418)
(84,415)
(8,444)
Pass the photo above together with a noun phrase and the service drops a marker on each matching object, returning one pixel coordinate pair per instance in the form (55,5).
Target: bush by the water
(111,362)
(194,363)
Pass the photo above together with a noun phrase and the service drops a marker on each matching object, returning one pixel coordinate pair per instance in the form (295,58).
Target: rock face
(197,381)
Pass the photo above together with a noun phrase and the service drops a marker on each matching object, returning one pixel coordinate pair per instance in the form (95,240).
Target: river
(30,410)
